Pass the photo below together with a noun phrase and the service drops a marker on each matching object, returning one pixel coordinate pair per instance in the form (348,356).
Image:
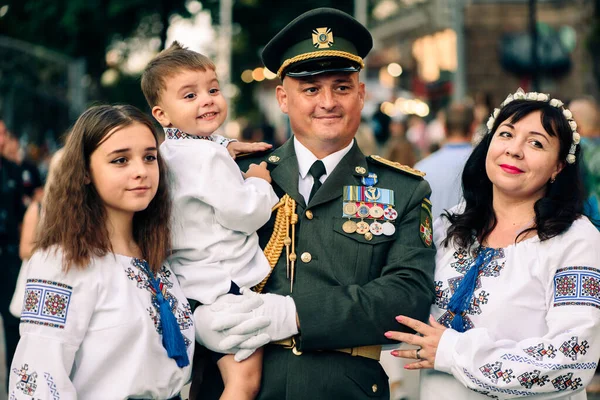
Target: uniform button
(306,257)
(309,214)
(368,236)
(374,387)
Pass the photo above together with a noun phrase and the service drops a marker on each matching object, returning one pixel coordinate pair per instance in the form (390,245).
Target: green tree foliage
(86,28)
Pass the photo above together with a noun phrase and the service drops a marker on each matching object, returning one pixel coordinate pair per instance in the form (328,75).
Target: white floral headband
(534,96)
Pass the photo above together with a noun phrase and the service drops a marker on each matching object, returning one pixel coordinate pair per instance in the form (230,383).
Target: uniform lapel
(284,170)
(348,172)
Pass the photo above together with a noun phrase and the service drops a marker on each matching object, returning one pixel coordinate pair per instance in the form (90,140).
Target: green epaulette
(396,165)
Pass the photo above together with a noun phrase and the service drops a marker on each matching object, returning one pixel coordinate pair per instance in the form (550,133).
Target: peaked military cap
(318,41)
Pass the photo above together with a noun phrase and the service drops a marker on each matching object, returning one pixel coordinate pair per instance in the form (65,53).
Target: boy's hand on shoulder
(238,148)
(258,171)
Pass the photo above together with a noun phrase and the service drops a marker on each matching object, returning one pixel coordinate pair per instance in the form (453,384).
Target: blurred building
(426,38)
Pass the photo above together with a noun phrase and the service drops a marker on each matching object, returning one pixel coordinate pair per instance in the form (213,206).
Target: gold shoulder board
(397,165)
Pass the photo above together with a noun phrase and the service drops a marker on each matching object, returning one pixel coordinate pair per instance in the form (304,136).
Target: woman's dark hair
(554,213)
(74,215)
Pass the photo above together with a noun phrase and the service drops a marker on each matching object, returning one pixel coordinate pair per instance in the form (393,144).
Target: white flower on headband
(520,95)
(507,100)
(573,125)
(556,103)
(535,96)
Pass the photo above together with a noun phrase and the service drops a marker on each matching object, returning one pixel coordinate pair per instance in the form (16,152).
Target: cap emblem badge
(322,38)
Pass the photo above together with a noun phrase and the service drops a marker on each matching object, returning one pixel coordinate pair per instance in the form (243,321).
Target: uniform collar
(306,158)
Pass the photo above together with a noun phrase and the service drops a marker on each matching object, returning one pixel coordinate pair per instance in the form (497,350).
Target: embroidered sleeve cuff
(222,140)
(444,356)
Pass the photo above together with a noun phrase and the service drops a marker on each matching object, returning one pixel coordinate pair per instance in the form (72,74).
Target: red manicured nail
(388,334)
(399,318)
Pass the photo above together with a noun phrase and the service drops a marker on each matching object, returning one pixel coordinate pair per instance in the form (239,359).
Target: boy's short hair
(168,63)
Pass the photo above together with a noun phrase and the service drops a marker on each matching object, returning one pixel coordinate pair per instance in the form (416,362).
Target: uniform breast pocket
(358,258)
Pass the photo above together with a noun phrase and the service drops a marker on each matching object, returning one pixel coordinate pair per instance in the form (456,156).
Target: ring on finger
(417,355)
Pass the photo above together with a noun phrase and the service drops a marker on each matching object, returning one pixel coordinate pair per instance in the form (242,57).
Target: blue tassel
(461,299)
(172,338)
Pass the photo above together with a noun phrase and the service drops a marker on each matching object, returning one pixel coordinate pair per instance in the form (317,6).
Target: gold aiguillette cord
(285,222)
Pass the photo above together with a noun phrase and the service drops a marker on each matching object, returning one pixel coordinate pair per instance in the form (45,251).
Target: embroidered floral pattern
(571,348)
(27,383)
(462,262)
(528,379)
(182,313)
(32,300)
(494,372)
(538,351)
(441,295)
(566,381)
(46,303)
(577,286)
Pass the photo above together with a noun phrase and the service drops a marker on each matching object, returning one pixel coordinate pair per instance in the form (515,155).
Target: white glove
(211,320)
(281,311)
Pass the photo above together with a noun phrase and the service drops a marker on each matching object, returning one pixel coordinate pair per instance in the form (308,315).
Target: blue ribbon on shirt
(461,299)
(172,338)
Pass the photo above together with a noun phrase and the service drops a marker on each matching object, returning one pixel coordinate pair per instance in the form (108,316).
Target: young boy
(216,211)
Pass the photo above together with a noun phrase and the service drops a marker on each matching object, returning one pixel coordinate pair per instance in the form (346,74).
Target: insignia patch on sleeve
(425,227)
(46,303)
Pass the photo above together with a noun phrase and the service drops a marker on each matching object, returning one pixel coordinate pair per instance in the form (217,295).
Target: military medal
(362,227)
(350,208)
(349,226)
(376,211)
(363,211)
(376,228)
(388,228)
(390,214)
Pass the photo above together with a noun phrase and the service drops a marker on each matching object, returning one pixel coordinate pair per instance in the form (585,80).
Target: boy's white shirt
(216,213)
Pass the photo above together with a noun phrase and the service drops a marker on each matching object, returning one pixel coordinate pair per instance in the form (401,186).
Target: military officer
(350,241)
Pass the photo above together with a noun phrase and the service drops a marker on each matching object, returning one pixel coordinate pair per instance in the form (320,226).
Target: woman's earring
(552,180)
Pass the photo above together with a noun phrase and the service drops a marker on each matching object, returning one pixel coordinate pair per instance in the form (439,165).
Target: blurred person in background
(11,215)
(444,167)
(417,135)
(398,148)
(29,230)
(380,123)
(587,116)
(436,130)
(365,139)
(32,180)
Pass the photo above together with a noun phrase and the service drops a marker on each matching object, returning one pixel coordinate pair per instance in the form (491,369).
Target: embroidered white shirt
(306,159)
(216,213)
(93,333)
(534,320)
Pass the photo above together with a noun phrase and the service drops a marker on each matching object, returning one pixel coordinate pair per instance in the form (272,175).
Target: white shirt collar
(306,159)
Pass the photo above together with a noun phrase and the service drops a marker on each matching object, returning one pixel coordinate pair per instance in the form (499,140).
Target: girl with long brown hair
(103,315)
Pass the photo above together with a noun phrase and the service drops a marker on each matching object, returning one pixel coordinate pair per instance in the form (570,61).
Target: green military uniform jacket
(349,290)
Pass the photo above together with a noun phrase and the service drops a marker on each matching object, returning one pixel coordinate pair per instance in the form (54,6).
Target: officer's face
(324,109)
(124,170)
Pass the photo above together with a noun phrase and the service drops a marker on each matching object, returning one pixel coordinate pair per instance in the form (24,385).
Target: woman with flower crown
(517,282)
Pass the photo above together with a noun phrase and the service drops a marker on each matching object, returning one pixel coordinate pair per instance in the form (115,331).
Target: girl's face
(523,158)
(124,169)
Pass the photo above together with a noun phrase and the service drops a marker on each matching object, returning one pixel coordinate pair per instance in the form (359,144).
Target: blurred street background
(58,57)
